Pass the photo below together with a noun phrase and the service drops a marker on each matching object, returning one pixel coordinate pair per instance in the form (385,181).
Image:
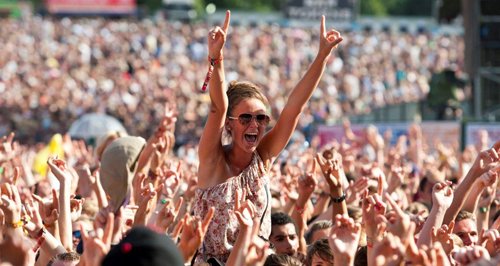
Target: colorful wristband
(18,224)
(213,62)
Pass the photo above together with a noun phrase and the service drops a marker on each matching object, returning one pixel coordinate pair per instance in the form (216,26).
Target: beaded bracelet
(213,62)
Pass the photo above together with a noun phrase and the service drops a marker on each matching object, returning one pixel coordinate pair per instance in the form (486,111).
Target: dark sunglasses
(245,119)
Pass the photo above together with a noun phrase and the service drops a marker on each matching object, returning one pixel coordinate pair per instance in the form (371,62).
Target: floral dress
(224,227)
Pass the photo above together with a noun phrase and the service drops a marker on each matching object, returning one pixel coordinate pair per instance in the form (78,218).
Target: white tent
(94,125)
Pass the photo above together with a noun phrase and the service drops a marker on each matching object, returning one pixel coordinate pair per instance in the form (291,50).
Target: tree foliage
(396,7)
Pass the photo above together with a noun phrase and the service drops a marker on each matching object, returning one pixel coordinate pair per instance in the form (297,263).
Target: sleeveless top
(224,227)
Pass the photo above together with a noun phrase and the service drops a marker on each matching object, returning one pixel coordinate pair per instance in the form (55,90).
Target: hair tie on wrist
(339,199)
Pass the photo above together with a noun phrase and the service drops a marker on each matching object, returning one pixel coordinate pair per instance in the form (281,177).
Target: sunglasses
(245,119)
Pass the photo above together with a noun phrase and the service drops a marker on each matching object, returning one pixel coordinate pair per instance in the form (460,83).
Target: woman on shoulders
(242,111)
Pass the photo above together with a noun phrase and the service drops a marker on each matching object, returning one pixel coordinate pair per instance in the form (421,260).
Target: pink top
(223,230)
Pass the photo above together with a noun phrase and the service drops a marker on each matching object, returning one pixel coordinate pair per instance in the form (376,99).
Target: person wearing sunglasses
(241,165)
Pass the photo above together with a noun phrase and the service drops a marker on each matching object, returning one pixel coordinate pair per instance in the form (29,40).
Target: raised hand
(307,183)
(489,178)
(15,249)
(491,241)
(48,210)
(442,194)
(96,246)
(468,255)
(160,149)
(11,211)
(244,209)
(442,197)
(7,148)
(331,170)
(167,121)
(396,178)
(372,206)
(388,251)
(59,169)
(32,210)
(356,190)
(145,204)
(398,222)
(217,38)
(193,232)
(328,39)
(443,236)
(344,238)
(76,207)
(486,160)
(167,214)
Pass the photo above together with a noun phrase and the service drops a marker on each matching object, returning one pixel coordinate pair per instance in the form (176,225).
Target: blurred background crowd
(418,192)
(53,71)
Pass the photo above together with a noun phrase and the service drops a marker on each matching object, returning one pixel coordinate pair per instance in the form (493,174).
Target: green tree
(449,10)
(373,8)
(411,7)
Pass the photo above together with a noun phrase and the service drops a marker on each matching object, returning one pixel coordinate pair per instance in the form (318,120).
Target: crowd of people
(243,200)
(54,70)
(405,205)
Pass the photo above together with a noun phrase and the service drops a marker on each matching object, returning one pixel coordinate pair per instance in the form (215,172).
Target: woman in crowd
(242,112)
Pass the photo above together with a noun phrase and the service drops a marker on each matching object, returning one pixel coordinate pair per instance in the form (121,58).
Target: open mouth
(252,137)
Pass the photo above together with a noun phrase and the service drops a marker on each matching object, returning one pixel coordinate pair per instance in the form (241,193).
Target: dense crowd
(241,194)
(404,205)
(53,71)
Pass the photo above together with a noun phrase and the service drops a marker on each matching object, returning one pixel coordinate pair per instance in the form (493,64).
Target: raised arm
(61,171)
(487,179)
(274,142)
(485,161)
(211,139)
(442,196)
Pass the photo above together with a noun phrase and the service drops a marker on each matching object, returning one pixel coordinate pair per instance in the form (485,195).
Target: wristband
(299,210)
(39,240)
(40,233)
(339,199)
(47,225)
(369,242)
(213,62)
(17,224)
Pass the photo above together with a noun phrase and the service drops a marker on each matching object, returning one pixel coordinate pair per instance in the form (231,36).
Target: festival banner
(448,133)
(91,6)
(472,131)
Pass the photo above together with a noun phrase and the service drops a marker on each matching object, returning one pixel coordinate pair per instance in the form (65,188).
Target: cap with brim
(118,164)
